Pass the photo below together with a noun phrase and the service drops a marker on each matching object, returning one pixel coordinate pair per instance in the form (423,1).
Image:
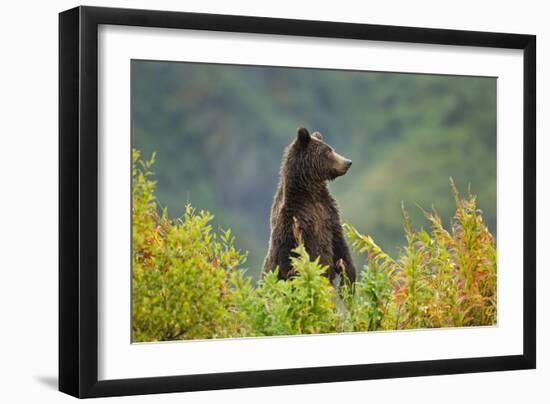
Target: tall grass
(188,281)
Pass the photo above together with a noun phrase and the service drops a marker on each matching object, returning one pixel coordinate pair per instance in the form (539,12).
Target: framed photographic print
(251,201)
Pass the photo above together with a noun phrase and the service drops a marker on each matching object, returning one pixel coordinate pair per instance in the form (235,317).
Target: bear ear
(303,136)
(317,136)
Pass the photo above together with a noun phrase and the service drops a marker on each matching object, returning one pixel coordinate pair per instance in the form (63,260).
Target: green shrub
(180,270)
(304,304)
(442,279)
(187,280)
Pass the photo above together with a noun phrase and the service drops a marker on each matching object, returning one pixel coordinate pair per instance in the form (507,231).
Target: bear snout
(343,165)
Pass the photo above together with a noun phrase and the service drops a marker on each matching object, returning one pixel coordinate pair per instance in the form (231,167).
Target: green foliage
(441,279)
(180,270)
(188,281)
(304,304)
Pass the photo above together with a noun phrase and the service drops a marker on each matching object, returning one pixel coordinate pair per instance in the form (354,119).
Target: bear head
(316,160)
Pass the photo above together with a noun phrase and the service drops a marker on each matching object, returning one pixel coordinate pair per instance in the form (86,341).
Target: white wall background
(28,199)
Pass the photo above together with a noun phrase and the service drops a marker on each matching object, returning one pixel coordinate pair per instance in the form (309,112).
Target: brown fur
(303,208)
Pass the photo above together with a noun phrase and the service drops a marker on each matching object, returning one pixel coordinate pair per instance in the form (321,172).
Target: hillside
(221,130)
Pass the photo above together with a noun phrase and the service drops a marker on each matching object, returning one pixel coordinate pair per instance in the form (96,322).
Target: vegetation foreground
(188,280)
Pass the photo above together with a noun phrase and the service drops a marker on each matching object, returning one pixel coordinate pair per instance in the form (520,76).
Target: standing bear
(304,211)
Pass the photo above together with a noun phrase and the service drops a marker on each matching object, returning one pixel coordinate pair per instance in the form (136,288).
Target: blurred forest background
(220,130)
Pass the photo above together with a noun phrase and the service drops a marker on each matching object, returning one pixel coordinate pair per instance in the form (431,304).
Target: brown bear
(303,209)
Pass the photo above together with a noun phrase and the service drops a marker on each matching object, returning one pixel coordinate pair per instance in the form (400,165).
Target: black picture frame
(78,201)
